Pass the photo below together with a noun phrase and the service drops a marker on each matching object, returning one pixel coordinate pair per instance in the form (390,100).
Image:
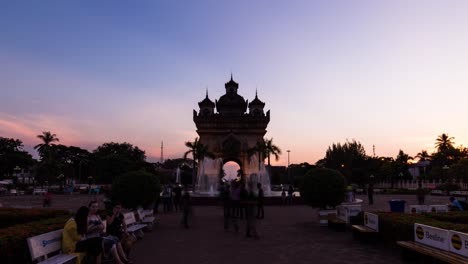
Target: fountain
(177,175)
(208,177)
(259,174)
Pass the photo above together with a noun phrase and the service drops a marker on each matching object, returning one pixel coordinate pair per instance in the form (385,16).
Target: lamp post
(17,169)
(90,181)
(444,170)
(60,178)
(289,171)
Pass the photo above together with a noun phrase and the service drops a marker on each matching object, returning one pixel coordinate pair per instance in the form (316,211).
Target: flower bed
(14,216)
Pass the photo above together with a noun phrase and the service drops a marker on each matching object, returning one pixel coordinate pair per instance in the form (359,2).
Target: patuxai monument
(230,128)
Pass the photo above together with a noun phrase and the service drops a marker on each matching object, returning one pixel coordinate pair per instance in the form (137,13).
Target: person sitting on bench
(455,205)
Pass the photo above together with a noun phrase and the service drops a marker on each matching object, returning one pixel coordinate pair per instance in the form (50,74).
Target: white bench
(39,191)
(376,191)
(42,245)
(146,217)
(132,225)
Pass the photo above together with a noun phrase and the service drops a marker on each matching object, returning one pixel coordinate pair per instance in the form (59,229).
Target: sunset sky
(393,74)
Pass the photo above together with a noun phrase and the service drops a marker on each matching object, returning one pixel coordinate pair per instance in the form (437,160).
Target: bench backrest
(141,214)
(345,211)
(371,221)
(431,236)
(44,244)
(148,212)
(129,218)
(417,209)
(438,208)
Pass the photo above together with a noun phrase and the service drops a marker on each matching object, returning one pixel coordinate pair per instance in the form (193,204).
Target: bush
(13,246)
(448,187)
(322,188)
(136,188)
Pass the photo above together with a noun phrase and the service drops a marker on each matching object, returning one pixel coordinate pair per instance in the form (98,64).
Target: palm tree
(403,158)
(444,142)
(271,149)
(44,148)
(199,152)
(423,155)
(260,150)
(264,149)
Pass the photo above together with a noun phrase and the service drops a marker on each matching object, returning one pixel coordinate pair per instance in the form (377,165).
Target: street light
(90,181)
(444,170)
(289,171)
(17,169)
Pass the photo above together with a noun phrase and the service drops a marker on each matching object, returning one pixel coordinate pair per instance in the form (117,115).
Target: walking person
(226,199)
(186,208)
(370,193)
(249,202)
(260,196)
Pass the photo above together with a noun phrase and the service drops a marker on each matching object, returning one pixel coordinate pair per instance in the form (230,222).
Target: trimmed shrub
(136,188)
(322,188)
(397,226)
(13,245)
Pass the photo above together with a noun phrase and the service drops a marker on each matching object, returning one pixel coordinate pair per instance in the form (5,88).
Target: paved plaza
(288,234)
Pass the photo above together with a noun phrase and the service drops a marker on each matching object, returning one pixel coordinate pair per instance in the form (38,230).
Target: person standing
(290,194)
(177,196)
(260,211)
(235,199)
(166,197)
(370,194)
(47,199)
(283,197)
(420,194)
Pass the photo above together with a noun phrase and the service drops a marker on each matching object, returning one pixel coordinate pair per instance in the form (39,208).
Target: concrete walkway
(287,235)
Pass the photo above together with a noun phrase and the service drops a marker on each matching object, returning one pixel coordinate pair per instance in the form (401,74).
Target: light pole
(289,171)
(444,170)
(17,169)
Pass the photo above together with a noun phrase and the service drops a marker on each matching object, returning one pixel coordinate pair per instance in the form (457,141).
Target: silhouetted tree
(199,152)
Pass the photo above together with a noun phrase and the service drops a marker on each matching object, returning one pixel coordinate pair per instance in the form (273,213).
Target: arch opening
(231,170)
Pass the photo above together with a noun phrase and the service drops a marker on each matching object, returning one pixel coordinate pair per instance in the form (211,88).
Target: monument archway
(230,128)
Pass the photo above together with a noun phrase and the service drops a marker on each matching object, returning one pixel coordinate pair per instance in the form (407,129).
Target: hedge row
(13,245)
(14,216)
(397,226)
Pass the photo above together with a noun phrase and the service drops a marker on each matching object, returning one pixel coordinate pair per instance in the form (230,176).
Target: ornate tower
(231,131)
